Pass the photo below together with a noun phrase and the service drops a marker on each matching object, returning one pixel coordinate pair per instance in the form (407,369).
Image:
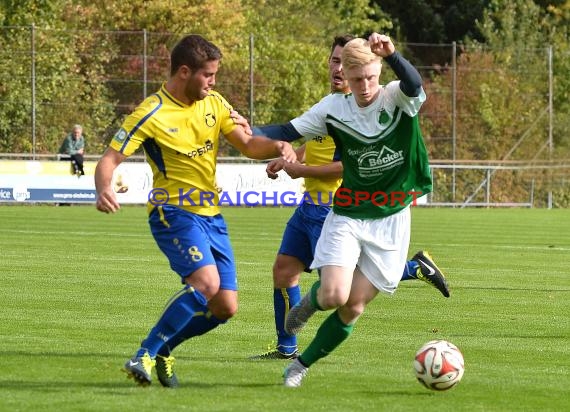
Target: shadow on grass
(118,388)
(46,354)
(119,384)
(114,386)
(182,355)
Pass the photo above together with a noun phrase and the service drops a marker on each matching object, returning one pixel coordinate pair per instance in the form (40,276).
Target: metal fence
(122,68)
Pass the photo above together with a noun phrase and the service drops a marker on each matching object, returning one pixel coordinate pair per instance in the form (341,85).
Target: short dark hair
(341,41)
(193,51)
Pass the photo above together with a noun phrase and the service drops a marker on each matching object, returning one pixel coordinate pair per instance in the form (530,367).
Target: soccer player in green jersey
(322,174)
(179,128)
(364,241)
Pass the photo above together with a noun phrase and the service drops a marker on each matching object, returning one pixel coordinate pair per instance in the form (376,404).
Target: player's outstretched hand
(381,45)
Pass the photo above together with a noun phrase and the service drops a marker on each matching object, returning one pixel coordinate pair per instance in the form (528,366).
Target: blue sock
(410,270)
(200,323)
(179,311)
(283,300)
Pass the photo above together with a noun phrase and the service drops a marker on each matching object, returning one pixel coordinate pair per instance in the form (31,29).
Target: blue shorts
(191,241)
(302,232)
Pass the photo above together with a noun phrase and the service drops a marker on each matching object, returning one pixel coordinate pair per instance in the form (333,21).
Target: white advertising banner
(52,181)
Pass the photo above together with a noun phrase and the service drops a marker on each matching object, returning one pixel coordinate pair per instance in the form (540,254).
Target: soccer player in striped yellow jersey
(319,164)
(179,128)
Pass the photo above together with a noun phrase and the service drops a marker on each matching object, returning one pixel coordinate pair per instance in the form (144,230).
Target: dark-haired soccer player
(179,128)
(322,173)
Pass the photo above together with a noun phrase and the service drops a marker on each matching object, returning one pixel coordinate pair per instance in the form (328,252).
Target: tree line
(88,62)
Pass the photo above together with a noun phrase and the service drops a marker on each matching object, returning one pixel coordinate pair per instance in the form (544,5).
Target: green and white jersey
(384,157)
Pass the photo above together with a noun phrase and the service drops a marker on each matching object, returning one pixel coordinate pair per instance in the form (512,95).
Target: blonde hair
(357,53)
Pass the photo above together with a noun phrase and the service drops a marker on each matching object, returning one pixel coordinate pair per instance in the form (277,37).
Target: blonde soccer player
(318,163)
(364,241)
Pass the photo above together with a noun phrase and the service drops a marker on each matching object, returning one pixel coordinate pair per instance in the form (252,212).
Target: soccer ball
(439,365)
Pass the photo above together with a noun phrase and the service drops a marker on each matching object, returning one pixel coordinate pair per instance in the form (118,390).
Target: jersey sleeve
(135,128)
(312,122)
(286,132)
(410,105)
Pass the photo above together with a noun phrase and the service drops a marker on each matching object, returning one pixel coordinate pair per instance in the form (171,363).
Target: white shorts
(378,246)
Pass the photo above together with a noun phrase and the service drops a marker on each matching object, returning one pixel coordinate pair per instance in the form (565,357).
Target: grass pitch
(80,289)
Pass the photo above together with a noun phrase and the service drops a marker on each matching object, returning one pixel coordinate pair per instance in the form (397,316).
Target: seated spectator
(74,146)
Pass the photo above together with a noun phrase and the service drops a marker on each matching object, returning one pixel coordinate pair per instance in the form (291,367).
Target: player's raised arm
(381,45)
(106,199)
(410,78)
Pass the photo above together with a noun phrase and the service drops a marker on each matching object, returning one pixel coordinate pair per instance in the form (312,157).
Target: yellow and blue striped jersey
(181,145)
(320,151)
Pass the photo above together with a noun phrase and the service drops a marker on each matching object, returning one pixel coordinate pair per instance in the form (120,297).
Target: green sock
(314,300)
(331,333)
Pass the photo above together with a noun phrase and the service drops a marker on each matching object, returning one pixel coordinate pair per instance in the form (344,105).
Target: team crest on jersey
(120,136)
(383,117)
(210,119)
(374,163)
